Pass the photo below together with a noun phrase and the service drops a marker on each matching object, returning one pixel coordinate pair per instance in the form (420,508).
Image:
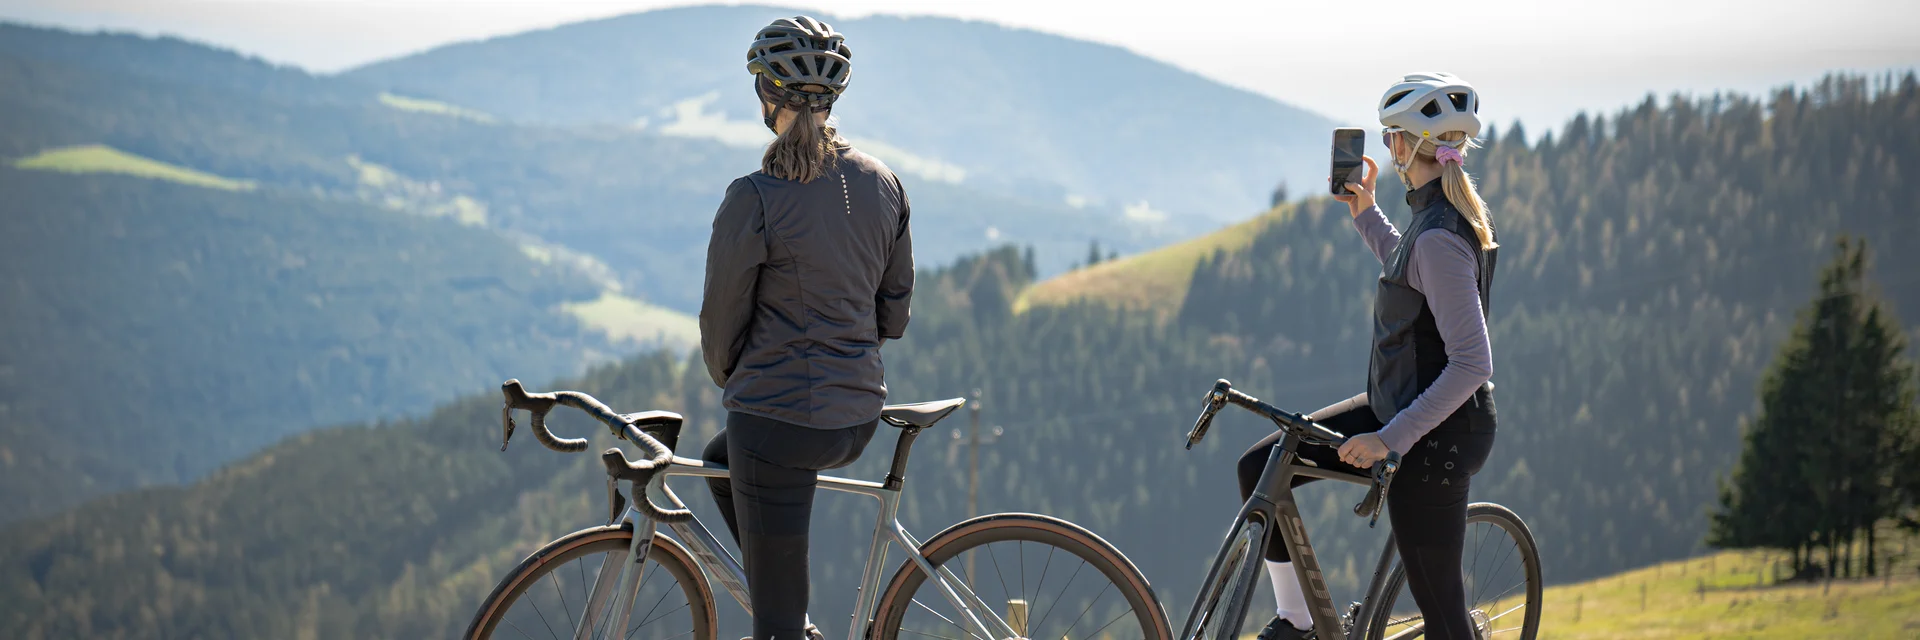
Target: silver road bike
(995,577)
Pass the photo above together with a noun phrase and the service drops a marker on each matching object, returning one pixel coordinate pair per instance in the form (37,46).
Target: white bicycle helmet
(1429,104)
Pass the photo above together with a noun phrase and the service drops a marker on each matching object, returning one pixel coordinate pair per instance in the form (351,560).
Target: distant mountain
(154,330)
(1044,116)
(177,61)
(615,218)
(636,201)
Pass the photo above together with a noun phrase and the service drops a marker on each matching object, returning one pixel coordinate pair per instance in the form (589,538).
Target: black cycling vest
(1408,353)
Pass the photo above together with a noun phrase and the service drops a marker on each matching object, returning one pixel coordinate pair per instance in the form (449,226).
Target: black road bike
(1501,570)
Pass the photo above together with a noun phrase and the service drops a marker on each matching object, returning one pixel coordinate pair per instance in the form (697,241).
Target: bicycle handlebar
(1302,427)
(640,472)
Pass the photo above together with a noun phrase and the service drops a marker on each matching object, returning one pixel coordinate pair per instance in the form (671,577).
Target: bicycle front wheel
(563,592)
(1036,577)
(1500,568)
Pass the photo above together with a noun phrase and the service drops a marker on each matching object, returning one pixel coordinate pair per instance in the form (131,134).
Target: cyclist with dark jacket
(809,271)
(1428,391)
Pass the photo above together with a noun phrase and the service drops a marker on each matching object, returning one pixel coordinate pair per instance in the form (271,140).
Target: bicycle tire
(1479,512)
(665,553)
(1061,535)
(1242,576)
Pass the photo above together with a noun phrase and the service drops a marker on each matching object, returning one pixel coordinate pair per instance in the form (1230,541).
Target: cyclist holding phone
(1428,391)
(809,271)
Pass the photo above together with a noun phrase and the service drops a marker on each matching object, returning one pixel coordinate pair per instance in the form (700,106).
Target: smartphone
(1349,145)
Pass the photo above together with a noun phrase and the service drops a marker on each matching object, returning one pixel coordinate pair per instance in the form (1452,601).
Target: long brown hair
(805,151)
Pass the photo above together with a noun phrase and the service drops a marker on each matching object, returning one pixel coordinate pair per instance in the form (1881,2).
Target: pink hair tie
(1445,154)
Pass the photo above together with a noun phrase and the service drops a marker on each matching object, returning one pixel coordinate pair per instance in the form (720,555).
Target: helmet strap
(1401,168)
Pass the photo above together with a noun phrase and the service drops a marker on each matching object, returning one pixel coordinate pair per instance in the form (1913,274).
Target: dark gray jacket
(803,283)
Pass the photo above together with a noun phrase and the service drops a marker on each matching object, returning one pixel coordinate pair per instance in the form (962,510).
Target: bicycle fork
(1271,504)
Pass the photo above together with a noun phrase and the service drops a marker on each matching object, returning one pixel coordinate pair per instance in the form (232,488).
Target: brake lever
(1376,500)
(506,424)
(616,501)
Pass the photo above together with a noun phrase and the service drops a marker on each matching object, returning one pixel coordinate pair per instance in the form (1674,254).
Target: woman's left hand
(1363,450)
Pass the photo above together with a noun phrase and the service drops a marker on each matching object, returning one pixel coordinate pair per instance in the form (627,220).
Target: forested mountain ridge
(1020,111)
(127,360)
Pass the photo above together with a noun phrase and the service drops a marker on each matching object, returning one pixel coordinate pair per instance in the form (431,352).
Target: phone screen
(1348,147)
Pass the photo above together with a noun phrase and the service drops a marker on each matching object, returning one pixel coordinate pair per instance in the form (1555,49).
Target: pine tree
(1821,463)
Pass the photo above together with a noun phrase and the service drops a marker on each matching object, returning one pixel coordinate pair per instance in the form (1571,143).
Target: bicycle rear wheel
(1500,569)
(548,595)
(1040,576)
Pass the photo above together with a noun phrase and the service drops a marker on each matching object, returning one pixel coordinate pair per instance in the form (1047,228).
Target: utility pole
(973,463)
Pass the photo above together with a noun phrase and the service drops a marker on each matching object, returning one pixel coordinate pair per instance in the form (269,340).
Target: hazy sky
(1536,61)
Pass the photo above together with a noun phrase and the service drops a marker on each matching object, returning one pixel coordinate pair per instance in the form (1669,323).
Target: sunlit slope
(1719,596)
(1156,280)
(94,158)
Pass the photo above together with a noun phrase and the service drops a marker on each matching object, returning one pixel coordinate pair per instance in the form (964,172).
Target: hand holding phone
(1354,174)
(1349,146)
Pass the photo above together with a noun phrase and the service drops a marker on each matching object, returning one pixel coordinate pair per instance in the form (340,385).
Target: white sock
(1289,601)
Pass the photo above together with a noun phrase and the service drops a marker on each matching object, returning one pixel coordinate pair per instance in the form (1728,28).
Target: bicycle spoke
(580,568)
(1083,612)
(656,604)
(1503,594)
(927,634)
(1021,551)
(1503,564)
(516,627)
(543,621)
(1041,586)
(672,637)
(563,600)
(1109,623)
(1063,591)
(1504,613)
(936,614)
(663,615)
(996,571)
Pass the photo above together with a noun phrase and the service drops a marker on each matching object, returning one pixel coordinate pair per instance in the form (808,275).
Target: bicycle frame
(1272,502)
(718,563)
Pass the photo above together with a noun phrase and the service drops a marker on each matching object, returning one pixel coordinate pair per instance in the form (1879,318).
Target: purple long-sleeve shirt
(1442,268)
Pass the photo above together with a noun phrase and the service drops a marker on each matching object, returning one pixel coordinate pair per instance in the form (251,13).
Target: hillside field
(1718,596)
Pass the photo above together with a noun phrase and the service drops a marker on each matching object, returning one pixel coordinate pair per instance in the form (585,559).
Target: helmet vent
(834,72)
(784,46)
(1396,98)
(1431,110)
(1459,100)
(780,69)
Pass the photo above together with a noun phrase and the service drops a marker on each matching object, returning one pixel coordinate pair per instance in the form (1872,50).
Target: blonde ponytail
(804,152)
(1460,191)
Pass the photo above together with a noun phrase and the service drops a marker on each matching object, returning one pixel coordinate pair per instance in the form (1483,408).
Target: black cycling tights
(1427,506)
(773,467)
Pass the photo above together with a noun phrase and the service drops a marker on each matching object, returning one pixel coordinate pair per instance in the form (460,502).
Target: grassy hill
(1049,128)
(1730,595)
(96,158)
(1153,281)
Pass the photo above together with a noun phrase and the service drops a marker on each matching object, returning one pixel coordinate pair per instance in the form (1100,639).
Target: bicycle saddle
(919,415)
